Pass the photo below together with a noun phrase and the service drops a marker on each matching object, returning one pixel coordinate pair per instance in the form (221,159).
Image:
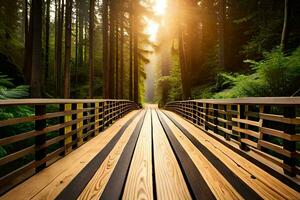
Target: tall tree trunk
(85,40)
(91,49)
(76,46)
(28,45)
(58,56)
(80,46)
(105,49)
(112,53)
(37,49)
(131,56)
(286,25)
(68,32)
(24,20)
(135,52)
(122,55)
(222,26)
(117,54)
(185,79)
(47,38)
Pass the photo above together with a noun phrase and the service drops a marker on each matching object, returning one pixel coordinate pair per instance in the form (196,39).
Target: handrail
(252,100)
(269,126)
(14,102)
(57,127)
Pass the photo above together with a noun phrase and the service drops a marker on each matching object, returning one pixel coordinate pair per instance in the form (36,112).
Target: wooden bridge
(108,149)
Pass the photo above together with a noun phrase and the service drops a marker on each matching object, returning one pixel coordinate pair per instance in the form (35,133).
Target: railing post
(215,119)
(68,129)
(96,118)
(289,112)
(194,112)
(102,114)
(229,120)
(40,139)
(206,107)
(79,118)
(241,115)
(92,120)
(261,123)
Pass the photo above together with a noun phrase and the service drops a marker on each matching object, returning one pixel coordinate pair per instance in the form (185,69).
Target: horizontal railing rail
(36,132)
(269,126)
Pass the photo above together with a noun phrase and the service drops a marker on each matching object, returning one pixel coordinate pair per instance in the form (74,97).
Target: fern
(9,91)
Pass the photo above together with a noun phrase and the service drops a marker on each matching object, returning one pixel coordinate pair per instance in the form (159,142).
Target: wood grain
(97,184)
(267,186)
(170,183)
(139,180)
(220,187)
(51,181)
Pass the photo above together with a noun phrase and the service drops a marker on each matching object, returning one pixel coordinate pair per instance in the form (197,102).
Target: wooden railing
(54,129)
(269,126)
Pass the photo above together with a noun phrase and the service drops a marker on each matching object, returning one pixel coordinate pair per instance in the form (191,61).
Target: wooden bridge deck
(154,154)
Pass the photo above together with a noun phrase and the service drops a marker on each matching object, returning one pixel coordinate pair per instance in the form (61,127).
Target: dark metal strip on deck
(153,160)
(233,179)
(256,162)
(195,182)
(77,185)
(116,184)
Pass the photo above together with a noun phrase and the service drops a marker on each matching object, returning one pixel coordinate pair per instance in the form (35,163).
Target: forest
(149,50)
(145,51)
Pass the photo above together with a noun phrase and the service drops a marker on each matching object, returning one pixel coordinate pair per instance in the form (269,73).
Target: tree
(47,38)
(36,18)
(112,40)
(117,54)
(135,52)
(68,32)
(81,28)
(105,49)
(222,26)
(286,25)
(58,45)
(28,45)
(122,55)
(131,52)
(91,49)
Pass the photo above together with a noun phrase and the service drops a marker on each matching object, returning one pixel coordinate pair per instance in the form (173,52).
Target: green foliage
(9,91)
(276,75)
(170,84)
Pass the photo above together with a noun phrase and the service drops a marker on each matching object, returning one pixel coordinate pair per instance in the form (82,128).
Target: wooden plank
(170,183)
(139,183)
(267,186)
(29,134)
(225,130)
(44,101)
(249,142)
(220,187)
(279,118)
(278,133)
(13,156)
(245,121)
(96,185)
(117,181)
(51,181)
(246,131)
(276,148)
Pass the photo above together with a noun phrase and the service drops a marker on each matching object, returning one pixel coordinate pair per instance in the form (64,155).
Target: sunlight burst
(159,8)
(151,29)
